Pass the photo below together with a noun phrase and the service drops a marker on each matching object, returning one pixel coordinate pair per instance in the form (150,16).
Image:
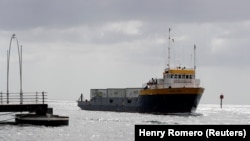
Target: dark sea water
(113,126)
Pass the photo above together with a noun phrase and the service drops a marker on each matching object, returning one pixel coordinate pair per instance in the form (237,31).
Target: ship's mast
(169,49)
(194,56)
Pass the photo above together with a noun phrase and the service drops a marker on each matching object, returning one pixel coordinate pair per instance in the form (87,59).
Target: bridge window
(183,76)
(175,76)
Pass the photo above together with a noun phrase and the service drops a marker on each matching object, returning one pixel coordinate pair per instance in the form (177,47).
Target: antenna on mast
(194,56)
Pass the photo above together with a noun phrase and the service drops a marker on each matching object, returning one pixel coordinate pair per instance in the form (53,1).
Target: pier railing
(23,98)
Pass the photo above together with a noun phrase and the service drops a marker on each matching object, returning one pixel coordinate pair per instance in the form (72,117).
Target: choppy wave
(113,126)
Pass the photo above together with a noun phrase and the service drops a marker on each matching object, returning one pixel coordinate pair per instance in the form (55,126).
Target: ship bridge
(175,78)
(179,73)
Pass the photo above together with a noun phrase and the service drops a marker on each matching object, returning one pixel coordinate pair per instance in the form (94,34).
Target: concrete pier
(37,108)
(36,112)
(46,120)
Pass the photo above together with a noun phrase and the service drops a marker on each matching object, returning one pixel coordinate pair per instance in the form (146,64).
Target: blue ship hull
(157,104)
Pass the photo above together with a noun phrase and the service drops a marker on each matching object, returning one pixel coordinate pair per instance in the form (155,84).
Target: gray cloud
(60,13)
(122,43)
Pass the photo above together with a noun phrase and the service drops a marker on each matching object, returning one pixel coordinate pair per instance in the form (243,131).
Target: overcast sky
(70,47)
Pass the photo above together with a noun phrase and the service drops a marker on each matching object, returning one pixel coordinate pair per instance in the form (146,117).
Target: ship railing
(23,98)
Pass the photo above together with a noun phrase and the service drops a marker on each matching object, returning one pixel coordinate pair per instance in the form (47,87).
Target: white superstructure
(175,78)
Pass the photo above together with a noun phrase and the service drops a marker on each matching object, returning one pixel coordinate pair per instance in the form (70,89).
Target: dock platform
(38,108)
(35,108)
(34,103)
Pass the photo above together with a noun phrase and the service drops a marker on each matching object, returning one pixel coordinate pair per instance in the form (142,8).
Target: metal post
(20,67)
(220,103)
(36,98)
(8,58)
(43,96)
(221,98)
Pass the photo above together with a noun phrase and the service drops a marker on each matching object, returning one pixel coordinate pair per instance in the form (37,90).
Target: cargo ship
(178,91)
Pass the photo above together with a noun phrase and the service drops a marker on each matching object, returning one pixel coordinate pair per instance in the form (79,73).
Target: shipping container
(98,93)
(132,92)
(116,92)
